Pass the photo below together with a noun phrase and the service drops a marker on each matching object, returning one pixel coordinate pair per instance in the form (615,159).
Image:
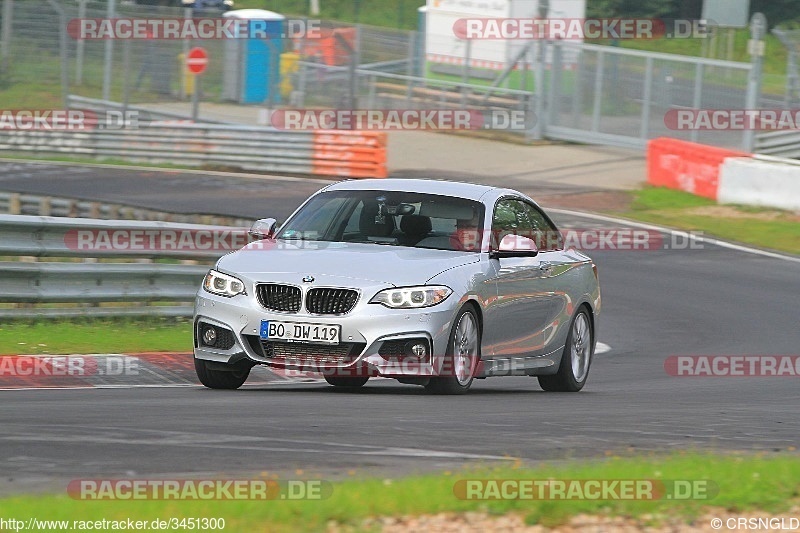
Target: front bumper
(366,333)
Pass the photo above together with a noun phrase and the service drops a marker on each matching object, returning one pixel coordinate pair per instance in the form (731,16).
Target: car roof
(458,189)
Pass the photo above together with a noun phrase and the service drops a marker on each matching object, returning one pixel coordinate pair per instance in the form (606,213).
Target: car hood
(329,261)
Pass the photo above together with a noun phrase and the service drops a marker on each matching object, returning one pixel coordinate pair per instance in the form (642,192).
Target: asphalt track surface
(709,301)
(186,192)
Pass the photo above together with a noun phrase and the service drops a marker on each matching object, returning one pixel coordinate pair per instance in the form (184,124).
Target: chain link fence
(581,92)
(629,96)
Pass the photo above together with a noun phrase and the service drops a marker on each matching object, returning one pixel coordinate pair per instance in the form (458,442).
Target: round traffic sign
(197,60)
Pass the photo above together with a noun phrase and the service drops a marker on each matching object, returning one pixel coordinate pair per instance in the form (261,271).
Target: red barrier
(686,166)
(355,154)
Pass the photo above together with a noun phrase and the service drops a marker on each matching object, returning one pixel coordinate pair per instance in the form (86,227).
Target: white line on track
(680,233)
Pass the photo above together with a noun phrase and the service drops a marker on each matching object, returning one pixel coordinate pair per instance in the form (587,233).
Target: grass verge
(763,228)
(102,335)
(745,483)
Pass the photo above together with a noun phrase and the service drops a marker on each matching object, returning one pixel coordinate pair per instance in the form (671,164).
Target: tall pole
(5,38)
(79,46)
(109,55)
(62,34)
(758,27)
(538,129)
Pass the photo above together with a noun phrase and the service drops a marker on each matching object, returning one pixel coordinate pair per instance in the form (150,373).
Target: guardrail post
(14,204)
(45,206)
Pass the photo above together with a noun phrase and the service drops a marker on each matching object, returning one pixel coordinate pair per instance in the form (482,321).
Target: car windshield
(389,218)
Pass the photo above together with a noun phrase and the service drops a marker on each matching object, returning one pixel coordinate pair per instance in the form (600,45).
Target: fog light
(420,350)
(209,336)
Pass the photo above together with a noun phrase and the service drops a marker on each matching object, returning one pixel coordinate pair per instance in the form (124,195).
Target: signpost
(196,63)
(729,14)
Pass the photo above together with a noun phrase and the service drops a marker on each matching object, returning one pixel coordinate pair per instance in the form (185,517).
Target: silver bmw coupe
(433,283)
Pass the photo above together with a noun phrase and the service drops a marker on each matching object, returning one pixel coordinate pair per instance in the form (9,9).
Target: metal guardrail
(142,287)
(59,237)
(352,154)
(783,143)
(12,203)
(102,106)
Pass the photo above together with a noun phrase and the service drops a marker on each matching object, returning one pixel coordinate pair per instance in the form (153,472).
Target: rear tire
(347,382)
(213,378)
(576,359)
(463,353)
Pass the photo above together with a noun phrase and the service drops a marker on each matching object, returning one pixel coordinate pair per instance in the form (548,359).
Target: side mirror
(515,246)
(263,229)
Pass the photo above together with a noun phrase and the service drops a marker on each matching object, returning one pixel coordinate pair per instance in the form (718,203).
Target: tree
(777,11)
(634,8)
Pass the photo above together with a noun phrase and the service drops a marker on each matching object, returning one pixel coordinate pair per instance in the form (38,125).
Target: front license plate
(274,330)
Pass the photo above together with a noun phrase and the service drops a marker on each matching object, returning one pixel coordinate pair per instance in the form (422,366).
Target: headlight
(412,297)
(223,284)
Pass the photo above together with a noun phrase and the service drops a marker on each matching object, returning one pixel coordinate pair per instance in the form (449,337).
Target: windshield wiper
(382,243)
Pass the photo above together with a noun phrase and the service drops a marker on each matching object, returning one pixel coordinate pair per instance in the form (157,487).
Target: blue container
(252,64)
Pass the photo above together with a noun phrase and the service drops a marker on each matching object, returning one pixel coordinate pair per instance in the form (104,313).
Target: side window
(510,218)
(546,236)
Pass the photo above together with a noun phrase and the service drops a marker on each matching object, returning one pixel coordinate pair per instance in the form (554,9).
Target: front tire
(212,377)
(463,353)
(576,359)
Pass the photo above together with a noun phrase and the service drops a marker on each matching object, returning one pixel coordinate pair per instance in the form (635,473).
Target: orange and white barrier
(686,166)
(762,181)
(724,175)
(354,154)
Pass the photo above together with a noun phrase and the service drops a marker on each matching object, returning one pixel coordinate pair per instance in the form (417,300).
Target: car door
(521,322)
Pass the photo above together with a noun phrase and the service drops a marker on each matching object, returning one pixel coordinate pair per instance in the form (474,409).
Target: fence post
(647,98)
(80,45)
(108,56)
(758,26)
(598,91)
(577,93)
(62,38)
(355,63)
(554,89)
(697,101)
(541,91)
(5,31)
